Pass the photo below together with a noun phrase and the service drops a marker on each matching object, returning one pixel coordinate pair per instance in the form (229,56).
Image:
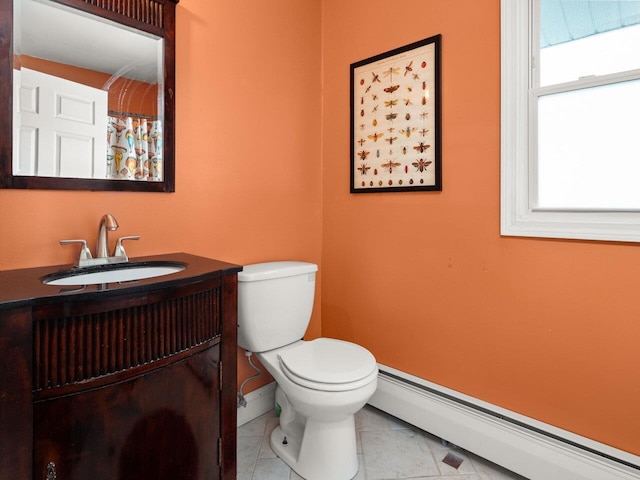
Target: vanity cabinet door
(163,425)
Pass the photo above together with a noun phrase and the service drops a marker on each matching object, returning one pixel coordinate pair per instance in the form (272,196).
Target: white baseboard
(258,402)
(530,448)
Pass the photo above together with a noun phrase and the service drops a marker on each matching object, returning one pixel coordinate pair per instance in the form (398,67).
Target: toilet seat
(329,365)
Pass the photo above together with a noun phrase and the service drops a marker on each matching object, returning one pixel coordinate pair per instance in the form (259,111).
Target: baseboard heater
(533,449)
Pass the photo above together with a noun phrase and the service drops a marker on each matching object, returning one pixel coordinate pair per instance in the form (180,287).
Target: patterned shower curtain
(134,148)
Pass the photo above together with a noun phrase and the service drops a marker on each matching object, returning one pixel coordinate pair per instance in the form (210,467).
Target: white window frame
(519,216)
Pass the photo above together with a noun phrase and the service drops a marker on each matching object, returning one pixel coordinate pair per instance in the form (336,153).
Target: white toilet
(322,383)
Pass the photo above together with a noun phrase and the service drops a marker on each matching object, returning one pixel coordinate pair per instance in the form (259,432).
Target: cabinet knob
(51,471)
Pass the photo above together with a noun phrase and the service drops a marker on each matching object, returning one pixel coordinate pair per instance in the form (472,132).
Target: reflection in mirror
(87,110)
(92,95)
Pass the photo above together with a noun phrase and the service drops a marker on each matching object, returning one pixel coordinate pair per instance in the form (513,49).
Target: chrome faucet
(107,222)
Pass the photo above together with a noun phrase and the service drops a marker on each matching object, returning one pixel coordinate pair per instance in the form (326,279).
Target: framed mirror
(87,89)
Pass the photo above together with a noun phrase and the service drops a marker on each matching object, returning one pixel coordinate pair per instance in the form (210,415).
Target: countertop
(24,286)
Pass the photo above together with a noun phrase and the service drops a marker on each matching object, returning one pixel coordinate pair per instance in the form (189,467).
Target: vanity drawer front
(79,347)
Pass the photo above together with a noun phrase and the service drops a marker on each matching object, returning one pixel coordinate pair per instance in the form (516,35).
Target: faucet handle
(119,250)
(85,253)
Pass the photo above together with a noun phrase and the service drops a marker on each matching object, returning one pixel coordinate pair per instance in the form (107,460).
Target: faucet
(107,222)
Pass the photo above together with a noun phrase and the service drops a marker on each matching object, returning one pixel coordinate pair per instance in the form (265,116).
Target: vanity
(119,381)
(130,373)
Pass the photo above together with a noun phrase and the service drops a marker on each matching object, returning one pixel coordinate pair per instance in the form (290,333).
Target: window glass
(579,38)
(588,152)
(589,148)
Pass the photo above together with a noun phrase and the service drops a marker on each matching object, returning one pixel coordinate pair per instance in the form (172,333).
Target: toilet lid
(328,361)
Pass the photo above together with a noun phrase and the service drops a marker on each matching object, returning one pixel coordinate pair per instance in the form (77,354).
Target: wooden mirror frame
(152,16)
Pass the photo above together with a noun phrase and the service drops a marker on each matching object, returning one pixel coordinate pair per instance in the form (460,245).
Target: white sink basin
(119,272)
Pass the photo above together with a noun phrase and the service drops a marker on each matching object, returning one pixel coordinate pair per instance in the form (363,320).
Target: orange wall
(546,328)
(248,151)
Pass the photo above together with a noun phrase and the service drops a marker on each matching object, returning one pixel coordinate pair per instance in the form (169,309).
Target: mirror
(88,89)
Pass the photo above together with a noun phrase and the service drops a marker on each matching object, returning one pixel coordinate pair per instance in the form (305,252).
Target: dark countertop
(24,286)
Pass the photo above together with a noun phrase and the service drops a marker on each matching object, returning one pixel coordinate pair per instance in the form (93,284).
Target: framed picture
(395,120)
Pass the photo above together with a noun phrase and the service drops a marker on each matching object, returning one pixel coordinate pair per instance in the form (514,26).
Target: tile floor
(388,449)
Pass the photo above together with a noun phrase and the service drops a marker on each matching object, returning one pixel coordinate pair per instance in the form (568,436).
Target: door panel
(62,124)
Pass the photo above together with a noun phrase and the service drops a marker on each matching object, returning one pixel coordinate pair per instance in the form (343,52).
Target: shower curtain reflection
(134,148)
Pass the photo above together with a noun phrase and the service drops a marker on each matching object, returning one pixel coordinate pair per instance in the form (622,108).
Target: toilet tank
(275,301)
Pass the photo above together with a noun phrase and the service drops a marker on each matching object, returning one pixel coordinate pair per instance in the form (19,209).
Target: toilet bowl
(316,436)
(321,383)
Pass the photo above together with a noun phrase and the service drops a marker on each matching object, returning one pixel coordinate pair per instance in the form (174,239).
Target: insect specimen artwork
(397,92)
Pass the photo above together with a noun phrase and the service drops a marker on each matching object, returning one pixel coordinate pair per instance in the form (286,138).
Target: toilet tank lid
(270,270)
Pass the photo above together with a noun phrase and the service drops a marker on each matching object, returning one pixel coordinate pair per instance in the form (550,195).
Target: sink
(113,273)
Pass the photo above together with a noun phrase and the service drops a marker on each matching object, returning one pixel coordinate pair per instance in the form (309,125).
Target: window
(571,119)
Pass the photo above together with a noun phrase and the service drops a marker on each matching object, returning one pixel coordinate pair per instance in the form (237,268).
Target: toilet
(321,383)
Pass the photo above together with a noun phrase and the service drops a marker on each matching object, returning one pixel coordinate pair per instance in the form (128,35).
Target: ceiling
(566,20)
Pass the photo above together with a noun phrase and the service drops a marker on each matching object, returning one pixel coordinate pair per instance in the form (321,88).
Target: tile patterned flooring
(388,448)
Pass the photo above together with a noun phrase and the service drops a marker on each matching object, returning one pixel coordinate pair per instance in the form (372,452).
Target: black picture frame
(396,120)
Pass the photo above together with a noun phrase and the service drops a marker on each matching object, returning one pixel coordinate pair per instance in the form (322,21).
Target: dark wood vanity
(112,381)
(120,381)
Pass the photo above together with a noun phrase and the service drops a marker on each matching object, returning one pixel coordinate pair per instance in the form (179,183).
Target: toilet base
(324,451)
